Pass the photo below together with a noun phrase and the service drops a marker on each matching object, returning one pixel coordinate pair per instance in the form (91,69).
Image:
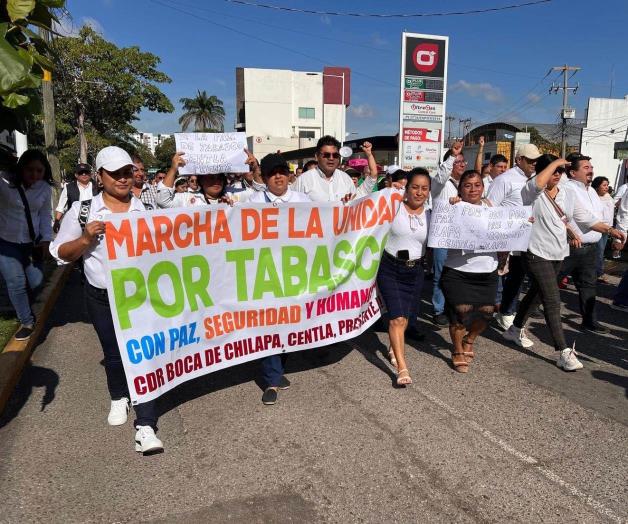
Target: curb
(17,353)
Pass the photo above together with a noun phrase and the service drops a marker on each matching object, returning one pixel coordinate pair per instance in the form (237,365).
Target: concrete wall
(604,115)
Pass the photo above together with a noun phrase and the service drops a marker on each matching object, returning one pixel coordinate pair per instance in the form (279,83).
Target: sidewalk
(516,440)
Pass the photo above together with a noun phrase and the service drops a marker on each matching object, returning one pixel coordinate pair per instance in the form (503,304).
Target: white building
(283,110)
(606,123)
(150,140)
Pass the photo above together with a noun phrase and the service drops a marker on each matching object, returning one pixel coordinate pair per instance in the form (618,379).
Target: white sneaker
(518,336)
(118,412)
(504,321)
(568,360)
(146,441)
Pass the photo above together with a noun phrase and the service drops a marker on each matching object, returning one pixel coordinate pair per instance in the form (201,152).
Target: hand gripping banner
(195,290)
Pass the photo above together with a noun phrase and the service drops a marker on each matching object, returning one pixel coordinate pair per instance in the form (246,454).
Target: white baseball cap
(529,151)
(112,158)
(392,169)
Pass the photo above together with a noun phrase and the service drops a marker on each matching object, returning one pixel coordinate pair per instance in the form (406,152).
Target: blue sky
(497,61)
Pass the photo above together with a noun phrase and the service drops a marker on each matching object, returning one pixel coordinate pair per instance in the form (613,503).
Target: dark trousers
(97,303)
(543,276)
(621,297)
(271,369)
(581,265)
(512,284)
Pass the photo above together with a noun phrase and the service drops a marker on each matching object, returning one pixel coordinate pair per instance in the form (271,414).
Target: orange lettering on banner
(182,241)
(203,227)
(163,233)
(383,209)
(121,236)
(269,220)
(314,226)
(368,221)
(292,232)
(250,232)
(144,238)
(221,229)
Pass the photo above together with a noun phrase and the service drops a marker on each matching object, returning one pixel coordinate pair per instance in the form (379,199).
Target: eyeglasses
(530,161)
(461,162)
(330,155)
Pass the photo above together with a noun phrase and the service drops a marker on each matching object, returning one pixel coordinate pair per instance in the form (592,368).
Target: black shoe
(413,334)
(269,397)
(24,333)
(596,328)
(284,383)
(440,320)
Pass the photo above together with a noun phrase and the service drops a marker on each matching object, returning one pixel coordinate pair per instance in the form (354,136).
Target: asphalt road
(514,440)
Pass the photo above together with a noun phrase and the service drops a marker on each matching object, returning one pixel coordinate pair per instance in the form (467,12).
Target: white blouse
(408,232)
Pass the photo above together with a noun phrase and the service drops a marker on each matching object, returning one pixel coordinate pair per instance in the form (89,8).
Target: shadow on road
(612,378)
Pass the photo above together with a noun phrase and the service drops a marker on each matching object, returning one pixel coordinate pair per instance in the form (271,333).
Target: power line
(387,15)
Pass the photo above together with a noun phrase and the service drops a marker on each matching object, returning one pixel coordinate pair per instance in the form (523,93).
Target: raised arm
(366,188)
(479,158)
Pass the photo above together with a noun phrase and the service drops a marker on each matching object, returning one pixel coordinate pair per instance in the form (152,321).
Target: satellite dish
(346,152)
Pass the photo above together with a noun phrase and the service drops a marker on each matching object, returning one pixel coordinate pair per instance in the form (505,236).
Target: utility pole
(449,119)
(466,123)
(567,112)
(50,129)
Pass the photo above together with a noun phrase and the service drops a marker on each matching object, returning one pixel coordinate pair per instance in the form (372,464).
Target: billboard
(423,88)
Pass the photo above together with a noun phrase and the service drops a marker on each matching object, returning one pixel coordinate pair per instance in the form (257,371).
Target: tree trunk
(81,134)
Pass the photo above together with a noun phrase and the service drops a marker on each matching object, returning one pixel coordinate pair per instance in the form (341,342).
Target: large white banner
(480,229)
(196,290)
(212,153)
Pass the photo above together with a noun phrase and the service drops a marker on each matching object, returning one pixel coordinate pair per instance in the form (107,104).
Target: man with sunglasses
(581,262)
(82,188)
(505,191)
(327,183)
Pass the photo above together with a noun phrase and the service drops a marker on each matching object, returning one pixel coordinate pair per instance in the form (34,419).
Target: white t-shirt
(321,189)
(589,199)
(505,190)
(288,196)
(408,232)
(85,193)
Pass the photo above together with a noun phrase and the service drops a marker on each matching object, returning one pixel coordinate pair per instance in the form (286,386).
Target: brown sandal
(469,354)
(459,362)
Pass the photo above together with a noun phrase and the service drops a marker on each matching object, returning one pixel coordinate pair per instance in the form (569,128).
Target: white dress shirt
(622,214)
(288,196)
(168,197)
(621,191)
(319,188)
(505,190)
(443,185)
(85,193)
(13,224)
(589,199)
(608,209)
(487,181)
(408,232)
(548,238)
(96,255)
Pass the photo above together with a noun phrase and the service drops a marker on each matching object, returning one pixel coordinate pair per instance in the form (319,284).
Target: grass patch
(8,326)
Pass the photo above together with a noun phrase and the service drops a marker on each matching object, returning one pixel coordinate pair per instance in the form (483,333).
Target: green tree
(205,112)
(544,145)
(24,59)
(100,89)
(164,153)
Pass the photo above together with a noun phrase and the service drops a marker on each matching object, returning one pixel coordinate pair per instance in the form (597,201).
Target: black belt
(401,262)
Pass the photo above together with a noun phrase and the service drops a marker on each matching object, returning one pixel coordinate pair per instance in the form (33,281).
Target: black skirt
(400,286)
(476,289)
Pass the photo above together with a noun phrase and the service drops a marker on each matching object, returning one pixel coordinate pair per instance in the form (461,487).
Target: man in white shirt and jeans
(581,262)
(505,191)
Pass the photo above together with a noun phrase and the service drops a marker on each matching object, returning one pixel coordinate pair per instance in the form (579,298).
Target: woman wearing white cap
(81,235)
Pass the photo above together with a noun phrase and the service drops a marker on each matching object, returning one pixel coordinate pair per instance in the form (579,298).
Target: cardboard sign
(207,153)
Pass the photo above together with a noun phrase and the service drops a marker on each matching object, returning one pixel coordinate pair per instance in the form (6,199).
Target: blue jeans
(601,247)
(20,274)
(621,297)
(439,255)
(271,369)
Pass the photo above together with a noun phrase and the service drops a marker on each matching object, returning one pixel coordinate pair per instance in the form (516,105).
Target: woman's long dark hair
(32,155)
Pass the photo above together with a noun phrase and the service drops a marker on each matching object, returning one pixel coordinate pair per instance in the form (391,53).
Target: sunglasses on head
(330,155)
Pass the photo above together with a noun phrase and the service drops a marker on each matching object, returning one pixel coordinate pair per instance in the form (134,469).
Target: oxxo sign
(422,100)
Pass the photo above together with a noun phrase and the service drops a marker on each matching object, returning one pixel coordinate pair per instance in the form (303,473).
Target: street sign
(423,87)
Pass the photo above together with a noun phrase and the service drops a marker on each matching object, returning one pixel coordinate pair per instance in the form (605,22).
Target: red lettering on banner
(121,236)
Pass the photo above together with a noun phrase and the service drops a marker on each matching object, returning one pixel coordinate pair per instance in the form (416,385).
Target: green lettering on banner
(320,275)
(341,262)
(363,243)
(159,270)
(293,266)
(196,288)
(266,277)
(124,303)
(240,257)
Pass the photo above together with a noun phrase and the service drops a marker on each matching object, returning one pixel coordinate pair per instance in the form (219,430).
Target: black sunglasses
(330,155)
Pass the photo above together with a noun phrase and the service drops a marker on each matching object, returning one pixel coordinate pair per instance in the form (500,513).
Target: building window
(306,134)
(306,112)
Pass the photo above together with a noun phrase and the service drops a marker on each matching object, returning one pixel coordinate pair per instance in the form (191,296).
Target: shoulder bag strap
(83,215)
(571,235)
(27,212)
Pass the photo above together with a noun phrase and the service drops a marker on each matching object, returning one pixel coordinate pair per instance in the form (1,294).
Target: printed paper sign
(212,153)
(196,290)
(480,229)
(417,134)
(422,109)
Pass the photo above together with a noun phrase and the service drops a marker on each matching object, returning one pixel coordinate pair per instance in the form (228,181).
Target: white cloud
(378,41)
(534,98)
(489,92)
(362,111)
